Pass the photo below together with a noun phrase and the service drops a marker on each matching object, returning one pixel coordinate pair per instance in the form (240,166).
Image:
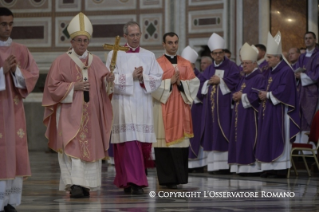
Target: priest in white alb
(137,75)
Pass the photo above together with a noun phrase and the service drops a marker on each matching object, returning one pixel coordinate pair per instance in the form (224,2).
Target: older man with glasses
(78,112)
(218,81)
(241,155)
(137,75)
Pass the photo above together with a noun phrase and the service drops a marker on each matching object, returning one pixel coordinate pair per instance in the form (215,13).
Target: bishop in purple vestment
(217,83)
(278,117)
(241,153)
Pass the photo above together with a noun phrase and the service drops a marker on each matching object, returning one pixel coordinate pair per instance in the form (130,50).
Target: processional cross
(116,47)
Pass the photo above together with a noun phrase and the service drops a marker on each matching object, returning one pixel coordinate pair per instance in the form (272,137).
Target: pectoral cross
(116,47)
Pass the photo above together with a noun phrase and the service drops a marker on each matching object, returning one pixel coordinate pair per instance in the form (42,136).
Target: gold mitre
(80,25)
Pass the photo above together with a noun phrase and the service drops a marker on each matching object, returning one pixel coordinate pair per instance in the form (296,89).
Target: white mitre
(216,42)
(274,44)
(80,25)
(189,54)
(248,52)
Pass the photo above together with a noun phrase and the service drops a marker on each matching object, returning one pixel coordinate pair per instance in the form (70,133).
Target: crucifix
(116,47)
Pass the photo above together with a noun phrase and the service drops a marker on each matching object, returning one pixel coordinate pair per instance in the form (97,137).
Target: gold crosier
(116,47)
(264,102)
(236,110)
(212,93)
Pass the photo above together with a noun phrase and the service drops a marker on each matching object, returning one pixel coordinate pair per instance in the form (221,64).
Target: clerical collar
(171,56)
(133,50)
(251,72)
(172,59)
(83,56)
(218,64)
(6,43)
(309,52)
(260,61)
(276,66)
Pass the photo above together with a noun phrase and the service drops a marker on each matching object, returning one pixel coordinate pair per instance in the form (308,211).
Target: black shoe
(76,192)
(264,174)
(276,176)
(137,189)
(171,186)
(86,192)
(127,190)
(9,208)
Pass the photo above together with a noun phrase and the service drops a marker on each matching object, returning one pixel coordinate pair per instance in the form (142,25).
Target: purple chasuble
(216,114)
(196,112)
(271,123)
(243,134)
(264,68)
(308,95)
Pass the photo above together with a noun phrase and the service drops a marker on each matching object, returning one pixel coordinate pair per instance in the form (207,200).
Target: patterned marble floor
(202,193)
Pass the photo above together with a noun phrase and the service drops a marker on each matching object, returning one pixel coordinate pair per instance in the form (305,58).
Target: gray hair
(130,23)
(207,58)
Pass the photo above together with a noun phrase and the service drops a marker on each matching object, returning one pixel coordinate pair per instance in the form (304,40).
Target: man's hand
(214,80)
(262,95)
(138,72)
(175,78)
(10,64)
(110,77)
(237,96)
(297,75)
(82,86)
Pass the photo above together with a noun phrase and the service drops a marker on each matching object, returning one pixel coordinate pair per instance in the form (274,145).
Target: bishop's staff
(116,47)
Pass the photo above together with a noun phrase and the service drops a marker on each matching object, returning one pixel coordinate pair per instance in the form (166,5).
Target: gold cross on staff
(116,47)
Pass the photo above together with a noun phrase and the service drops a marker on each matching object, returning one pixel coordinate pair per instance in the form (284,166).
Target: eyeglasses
(79,41)
(5,24)
(218,53)
(134,35)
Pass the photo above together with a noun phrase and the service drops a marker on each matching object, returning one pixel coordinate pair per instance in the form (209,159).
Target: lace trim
(122,82)
(133,127)
(152,83)
(10,191)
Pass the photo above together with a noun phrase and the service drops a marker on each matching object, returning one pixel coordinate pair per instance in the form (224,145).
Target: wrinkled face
(204,63)
(133,36)
(80,44)
(248,66)
(272,60)
(310,41)
(171,44)
(293,55)
(6,25)
(218,55)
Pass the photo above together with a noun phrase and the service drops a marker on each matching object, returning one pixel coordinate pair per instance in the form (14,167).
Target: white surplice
(132,104)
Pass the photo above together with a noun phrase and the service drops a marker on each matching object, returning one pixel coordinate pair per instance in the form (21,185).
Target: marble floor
(204,192)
